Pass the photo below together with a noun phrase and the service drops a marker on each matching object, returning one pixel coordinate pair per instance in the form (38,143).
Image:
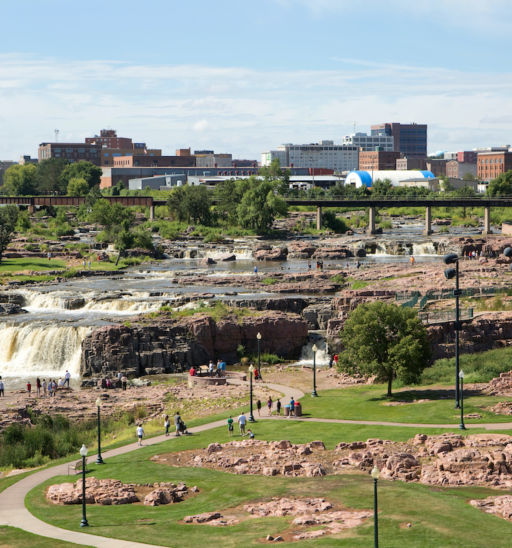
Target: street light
(375,473)
(251,370)
(461,425)
(83,453)
(314,394)
(450,273)
(99,460)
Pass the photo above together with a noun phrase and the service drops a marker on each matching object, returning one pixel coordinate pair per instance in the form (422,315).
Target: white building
(367,178)
(323,155)
(158,182)
(370,142)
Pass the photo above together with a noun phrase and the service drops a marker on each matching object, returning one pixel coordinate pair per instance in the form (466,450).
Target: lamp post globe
(258,338)
(83,454)
(315,350)
(375,473)
(99,459)
(251,414)
(462,426)
(507,252)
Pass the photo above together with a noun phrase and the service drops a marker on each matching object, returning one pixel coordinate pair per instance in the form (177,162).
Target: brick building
(437,166)
(467,156)
(405,164)
(492,164)
(458,170)
(108,138)
(140,160)
(377,159)
(72,152)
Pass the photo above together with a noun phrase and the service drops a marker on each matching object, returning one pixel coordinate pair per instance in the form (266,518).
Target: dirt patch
(308,514)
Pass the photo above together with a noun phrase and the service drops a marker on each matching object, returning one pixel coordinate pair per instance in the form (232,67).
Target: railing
(440,316)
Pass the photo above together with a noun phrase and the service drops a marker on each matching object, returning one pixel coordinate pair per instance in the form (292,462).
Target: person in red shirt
(29,388)
(192,371)
(335,359)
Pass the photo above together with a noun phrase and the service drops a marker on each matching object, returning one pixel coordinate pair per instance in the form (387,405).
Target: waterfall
(29,349)
(425,248)
(322,354)
(120,305)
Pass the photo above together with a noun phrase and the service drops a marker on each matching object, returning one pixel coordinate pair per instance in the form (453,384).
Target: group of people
(44,388)
(218,369)
(242,422)
(122,382)
(270,405)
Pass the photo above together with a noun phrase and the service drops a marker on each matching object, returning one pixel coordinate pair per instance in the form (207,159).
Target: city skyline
(247,78)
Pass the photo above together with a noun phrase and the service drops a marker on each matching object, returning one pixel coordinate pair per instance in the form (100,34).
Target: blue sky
(246,76)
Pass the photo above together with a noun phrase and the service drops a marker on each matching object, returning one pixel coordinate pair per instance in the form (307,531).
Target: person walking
(140,433)
(124,381)
(44,387)
(230,426)
(167,424)
(177,423)
(258,407)
(38,387)
(269,405)
(67,377)
(278,407)
(210,368)
(242,421)
(29,388)
(2,388)
(292,407)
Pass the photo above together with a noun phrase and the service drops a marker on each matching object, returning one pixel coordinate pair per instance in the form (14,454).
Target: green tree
(385,340)
(111,216)
(77,186)
(501,186)
(260,206)
(49,176)
(84,170)
(8,219)
(228,194)
(20,180)
(190,203)
(382,188)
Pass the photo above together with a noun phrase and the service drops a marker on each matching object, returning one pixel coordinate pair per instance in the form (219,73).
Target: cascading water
(322,354)
(38,349)
(425,248)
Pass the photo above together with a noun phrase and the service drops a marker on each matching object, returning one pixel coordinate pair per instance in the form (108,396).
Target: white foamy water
(37,349)
(425,248)
(322,354)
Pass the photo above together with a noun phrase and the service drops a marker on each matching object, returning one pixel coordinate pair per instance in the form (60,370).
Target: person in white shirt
(140,433)
(67,376)
(242,421)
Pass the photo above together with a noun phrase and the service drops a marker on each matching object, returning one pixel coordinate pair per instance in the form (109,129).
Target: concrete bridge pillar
(318,218)
(487,220)
(31,209)
(151,212)
(371,221)
(428,221)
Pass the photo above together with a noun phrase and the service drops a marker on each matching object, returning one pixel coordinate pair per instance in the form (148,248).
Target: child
(230,426)
(167,424)
(278,407)
(250,433)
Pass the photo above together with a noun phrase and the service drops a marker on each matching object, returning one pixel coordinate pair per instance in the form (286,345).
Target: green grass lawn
(439,517)
(16,538)
(30,263)
(369,402)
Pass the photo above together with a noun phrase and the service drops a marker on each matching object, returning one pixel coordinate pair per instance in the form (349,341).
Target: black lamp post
(461,425)
(83,453)
(251,370)
(99,460)
(258,337)
(314,394)
(375,475)
(452,258)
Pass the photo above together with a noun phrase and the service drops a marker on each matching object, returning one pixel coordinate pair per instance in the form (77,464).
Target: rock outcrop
(168,345)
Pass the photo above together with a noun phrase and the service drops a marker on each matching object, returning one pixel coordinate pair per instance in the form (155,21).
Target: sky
(245,76)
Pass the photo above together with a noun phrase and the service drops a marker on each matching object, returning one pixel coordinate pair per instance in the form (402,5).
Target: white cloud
(241,110)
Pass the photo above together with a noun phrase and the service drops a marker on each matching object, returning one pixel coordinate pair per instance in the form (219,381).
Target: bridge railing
(440,316)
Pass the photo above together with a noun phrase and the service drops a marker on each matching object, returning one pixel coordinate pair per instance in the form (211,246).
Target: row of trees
(8,219)
(52,176)
(249,203)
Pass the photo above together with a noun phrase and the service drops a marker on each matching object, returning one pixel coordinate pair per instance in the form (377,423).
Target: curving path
(12,500)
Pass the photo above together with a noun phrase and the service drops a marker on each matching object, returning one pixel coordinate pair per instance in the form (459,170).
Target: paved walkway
(12,500)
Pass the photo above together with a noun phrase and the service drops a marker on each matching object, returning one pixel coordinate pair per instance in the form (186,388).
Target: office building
(214,160)
(404,164)
(458,170)
(141,160)
(323,155)
(377,159)
(365,142)
(492,164)
(467,156)
(72,152)
(409,139)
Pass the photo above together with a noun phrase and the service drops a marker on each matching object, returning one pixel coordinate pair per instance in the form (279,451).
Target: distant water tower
(56,135)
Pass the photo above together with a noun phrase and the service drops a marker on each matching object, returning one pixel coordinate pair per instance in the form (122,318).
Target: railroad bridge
(370,203)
